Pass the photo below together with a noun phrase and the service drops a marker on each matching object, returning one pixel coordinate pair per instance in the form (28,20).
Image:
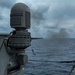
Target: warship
(13,45)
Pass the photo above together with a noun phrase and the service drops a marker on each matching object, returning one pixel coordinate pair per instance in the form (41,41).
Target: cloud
(57,15)
(6,3)
(47,16)
(38,12)
(5,6)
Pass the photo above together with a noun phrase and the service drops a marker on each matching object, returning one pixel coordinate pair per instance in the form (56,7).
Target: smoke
(61,34)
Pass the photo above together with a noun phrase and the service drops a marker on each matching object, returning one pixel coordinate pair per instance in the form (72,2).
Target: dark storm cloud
(38,13)
(38,18)
(48,16)
(5,6)
(55,16)
(5,29)
(63,13)
(6,3)
(1,17)
(51,27)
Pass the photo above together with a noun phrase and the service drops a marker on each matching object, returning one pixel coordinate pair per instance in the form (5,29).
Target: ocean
(50,57)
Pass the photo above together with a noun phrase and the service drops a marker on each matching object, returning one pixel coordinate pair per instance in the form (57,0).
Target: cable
(54,61)
(5,39)
(2,44)
(72,70)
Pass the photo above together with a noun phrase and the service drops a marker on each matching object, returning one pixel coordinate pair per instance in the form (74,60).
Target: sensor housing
(20,16)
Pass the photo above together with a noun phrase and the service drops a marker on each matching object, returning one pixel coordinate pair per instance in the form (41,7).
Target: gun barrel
(36,38)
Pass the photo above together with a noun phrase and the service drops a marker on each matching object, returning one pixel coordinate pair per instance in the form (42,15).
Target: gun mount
(12,46)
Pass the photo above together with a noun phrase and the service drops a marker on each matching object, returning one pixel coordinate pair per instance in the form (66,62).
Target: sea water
(44,56)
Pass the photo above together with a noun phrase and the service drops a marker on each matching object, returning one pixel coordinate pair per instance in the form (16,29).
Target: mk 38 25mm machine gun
(13,45)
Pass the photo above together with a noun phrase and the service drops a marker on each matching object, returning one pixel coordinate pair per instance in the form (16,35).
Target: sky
(49,18)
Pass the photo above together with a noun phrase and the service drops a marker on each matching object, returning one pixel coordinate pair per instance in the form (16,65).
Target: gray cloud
(38,13)
(6,3)
(63,13)
(5,6)
(53,17)
(47,16)
(5,29)
(1,17)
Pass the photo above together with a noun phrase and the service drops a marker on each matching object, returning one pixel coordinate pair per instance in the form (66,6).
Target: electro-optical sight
(20,16)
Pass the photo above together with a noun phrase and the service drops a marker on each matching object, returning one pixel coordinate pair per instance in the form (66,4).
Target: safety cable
(53,61)
(2,44)
(72,70)
(5,39)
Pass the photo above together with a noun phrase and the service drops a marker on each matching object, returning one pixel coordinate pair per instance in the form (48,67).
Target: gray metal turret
(13,45)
